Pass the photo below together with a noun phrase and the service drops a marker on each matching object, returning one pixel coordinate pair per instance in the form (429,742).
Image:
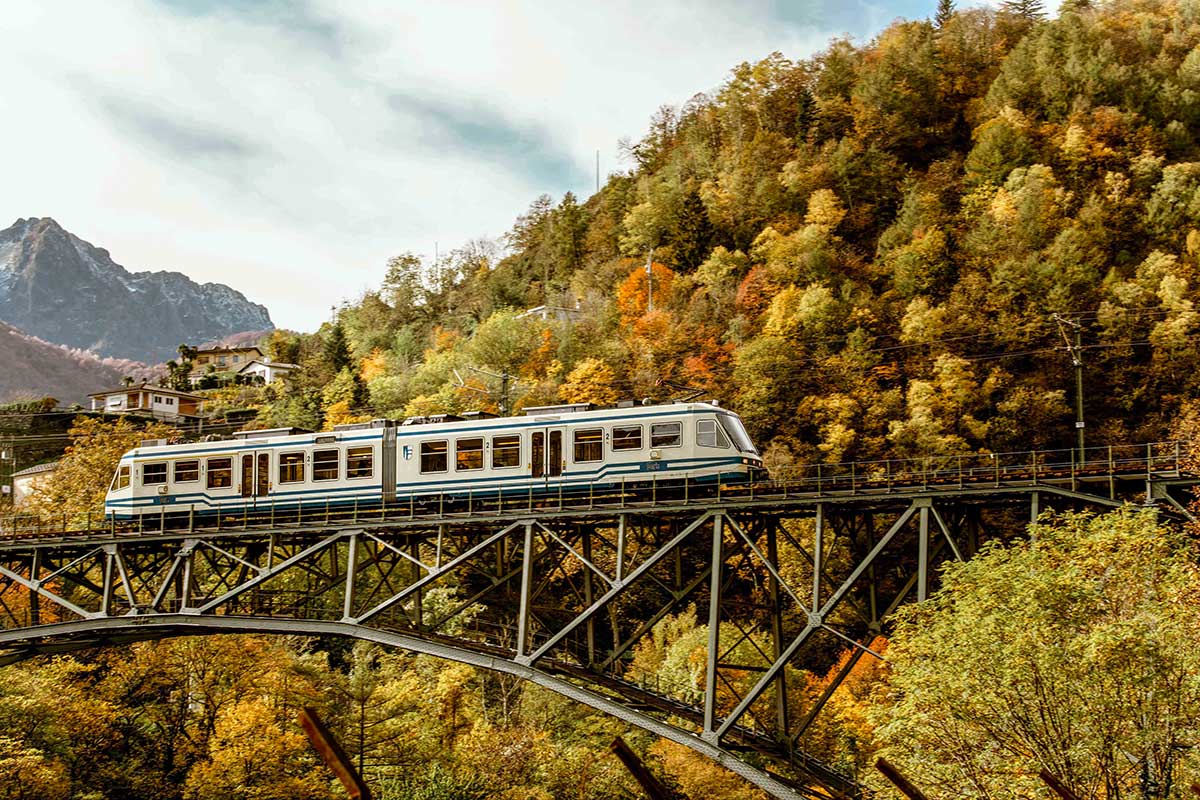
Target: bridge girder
(565,598)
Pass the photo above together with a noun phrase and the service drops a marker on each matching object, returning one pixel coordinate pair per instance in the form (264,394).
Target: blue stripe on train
(460,483)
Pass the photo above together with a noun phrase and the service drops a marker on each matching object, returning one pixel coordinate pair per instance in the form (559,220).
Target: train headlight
(655,455)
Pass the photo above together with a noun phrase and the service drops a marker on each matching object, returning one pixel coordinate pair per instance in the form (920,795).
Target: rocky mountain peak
(63,289)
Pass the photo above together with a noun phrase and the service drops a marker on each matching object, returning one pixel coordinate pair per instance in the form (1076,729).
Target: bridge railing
(1096,470)
(963,469)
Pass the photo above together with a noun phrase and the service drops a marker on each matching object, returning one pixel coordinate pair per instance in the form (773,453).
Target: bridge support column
(184,591)
(35,599)
(714,629)
(107,586)
(588,595)
(414,545)
(818,552)
(351,576)
(781,698)
(923,554)
(622,521)
(526,589)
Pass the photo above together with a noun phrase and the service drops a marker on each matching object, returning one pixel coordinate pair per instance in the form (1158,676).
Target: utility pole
(9,454)
(506,386)
(1075,351)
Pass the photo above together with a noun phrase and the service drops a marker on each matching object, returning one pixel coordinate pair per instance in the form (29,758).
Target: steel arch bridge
(561,591)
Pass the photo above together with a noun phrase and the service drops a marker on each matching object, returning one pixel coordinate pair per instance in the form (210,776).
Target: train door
(547,453)
(255,476)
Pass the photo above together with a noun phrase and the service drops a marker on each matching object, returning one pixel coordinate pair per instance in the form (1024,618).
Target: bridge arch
(70,636)
(560,590)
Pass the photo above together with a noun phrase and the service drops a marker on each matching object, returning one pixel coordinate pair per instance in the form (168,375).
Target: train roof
(532,417)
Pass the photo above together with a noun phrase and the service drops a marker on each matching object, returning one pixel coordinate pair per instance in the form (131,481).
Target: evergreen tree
(692,233)
(945,10)
(359,395)
(337,350)
(564,238)
(1031,10)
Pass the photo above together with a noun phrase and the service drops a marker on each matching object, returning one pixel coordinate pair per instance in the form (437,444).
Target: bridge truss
(784,579)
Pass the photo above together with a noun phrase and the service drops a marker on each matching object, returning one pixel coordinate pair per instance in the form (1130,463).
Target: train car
(549,449)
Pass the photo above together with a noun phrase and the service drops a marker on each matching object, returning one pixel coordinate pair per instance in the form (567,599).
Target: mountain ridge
(35,368)
(65,290)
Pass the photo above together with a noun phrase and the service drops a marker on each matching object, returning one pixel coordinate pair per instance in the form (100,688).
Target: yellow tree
(77,488)
(256,755)
(590,382)
(26,774)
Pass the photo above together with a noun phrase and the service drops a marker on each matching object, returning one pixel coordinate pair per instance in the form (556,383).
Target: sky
(289,149)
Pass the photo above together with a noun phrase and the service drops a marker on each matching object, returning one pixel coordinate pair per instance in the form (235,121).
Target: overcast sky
(288,149)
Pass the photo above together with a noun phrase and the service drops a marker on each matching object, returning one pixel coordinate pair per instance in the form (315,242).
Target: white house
(155,401)
(557,313)
(221,359)
(25,482)
(269,371)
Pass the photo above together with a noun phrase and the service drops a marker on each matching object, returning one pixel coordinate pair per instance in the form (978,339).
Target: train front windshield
(737,433)
(120,479)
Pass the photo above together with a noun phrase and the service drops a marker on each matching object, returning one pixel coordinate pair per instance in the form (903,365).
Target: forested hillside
(863,253)
(879,251)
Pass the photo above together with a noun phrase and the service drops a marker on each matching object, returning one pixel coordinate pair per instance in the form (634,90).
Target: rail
(1097,471)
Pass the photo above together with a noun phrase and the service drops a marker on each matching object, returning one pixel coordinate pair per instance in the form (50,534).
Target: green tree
(945,10)
(692,233)
(1072,651)
(403,287)
(284,346)
(336,349)
(1025,9)
(505,341)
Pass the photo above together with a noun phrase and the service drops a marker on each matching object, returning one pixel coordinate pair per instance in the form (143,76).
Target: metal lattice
(565,591)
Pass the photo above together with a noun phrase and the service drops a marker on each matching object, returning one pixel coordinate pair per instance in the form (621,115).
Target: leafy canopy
(1073,651)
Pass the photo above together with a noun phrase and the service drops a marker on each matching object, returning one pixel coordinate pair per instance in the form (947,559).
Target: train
(547,449)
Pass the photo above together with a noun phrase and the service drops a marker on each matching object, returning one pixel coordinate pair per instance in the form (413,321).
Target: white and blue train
(549,449)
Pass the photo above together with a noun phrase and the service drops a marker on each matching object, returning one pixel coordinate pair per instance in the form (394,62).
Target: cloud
(288,149)
(181,138)
(295,17)
(478,131)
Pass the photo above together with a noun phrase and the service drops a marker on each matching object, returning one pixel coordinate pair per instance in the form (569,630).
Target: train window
(737,432)
(627,437)
(187,471)
(468,454)
(291,467)
(589,445)
(121,479)
(433,456)
(708,434)
(666,434)
(506,451)
(154,473)
(360,462)
(325,465)
(220,473)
